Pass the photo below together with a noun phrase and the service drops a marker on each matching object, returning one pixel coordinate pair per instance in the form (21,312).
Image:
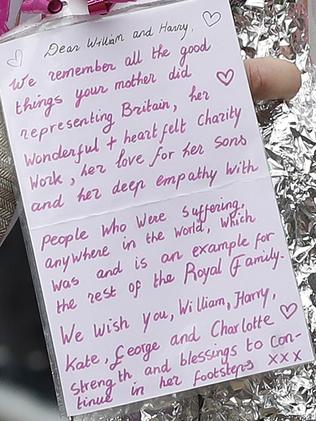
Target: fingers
(271,78)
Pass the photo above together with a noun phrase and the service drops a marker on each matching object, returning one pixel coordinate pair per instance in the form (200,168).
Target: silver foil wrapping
(275,28)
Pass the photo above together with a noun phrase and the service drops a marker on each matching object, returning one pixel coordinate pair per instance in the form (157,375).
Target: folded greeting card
(160,254)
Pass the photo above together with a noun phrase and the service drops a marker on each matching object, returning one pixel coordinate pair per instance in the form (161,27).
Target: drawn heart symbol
(211,19)
(289,311)
(17,60)
(226,77)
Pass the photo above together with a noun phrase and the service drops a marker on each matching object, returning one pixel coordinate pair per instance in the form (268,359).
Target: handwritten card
(157,238)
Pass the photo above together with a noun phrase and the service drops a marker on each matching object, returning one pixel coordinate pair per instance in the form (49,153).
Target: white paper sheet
(157,238)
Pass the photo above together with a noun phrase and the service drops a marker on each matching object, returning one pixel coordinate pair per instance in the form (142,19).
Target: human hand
(271,78)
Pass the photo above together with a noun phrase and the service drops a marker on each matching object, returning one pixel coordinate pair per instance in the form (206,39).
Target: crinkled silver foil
(275,28)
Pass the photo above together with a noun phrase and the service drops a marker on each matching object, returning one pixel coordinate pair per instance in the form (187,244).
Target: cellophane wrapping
(277,28)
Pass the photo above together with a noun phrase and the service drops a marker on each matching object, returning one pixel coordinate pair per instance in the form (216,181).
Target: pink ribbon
(45,6)
(4,15)
(35,6)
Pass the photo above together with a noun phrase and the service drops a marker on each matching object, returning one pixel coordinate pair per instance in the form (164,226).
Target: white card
(157,238)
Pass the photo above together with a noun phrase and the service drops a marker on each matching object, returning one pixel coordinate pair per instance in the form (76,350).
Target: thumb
(271,78)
